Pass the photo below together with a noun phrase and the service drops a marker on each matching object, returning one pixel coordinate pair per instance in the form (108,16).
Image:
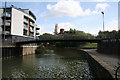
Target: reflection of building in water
(56,29)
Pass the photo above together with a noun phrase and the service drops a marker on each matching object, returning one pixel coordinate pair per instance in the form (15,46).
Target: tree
(108,34)
(74,34)
(47,34)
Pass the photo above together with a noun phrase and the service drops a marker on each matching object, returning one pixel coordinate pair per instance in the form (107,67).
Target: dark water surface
(56,63)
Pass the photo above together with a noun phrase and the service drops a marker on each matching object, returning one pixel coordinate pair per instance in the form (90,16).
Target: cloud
(58,0)
(112,25)
(99,0)
(102,7)
(103,0)
(66,26)
(71,8)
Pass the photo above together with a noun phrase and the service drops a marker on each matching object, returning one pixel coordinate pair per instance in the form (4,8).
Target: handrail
(116,72)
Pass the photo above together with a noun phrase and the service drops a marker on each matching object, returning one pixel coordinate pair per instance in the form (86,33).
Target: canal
(56,63)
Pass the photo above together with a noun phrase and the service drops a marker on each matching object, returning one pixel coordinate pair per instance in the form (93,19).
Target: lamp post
(103,20)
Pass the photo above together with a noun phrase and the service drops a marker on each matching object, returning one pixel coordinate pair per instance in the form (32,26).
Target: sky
(84,16)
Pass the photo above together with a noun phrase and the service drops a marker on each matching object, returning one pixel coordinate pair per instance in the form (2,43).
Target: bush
(40,49)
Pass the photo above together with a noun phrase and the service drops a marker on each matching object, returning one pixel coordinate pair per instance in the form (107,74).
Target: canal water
(56,63)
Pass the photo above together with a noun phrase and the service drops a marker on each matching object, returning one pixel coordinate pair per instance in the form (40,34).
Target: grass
(90,45)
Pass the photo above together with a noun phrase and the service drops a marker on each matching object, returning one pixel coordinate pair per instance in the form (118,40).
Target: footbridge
(58,40)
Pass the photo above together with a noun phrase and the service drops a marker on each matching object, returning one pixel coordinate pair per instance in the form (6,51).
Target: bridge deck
(59,40)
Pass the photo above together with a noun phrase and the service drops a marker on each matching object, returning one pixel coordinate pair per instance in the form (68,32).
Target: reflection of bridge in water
(59,40)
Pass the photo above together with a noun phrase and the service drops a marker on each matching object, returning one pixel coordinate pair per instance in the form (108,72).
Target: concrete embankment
(27,50)
(108,62)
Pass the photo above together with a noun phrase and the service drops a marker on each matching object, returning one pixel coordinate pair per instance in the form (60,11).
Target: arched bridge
(59,40)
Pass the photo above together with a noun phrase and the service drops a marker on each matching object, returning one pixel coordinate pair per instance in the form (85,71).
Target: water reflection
(57,63)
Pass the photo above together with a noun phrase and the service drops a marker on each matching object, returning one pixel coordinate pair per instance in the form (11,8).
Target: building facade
(18,24)
(62,31)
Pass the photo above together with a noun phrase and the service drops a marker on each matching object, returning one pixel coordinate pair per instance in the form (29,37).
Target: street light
(103,19)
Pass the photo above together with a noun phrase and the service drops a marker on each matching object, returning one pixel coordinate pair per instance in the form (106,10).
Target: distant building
(56,29)
(18,23)
(62,31)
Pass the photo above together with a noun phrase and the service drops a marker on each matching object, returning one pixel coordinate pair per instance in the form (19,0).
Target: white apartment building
(17,22)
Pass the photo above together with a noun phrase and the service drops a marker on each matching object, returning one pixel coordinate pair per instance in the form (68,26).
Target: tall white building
(18,23)
(56,29)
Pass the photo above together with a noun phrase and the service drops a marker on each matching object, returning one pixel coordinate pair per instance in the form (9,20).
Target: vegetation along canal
(55,63)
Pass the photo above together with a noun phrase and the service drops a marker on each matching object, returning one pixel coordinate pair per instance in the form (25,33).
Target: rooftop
(27,11)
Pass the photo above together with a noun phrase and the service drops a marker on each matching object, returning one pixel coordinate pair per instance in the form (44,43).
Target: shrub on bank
(40,49)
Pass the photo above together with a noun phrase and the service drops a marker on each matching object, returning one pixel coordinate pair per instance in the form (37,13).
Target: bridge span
(59,40)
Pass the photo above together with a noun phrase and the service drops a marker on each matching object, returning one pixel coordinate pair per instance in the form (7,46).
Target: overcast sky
(85,16)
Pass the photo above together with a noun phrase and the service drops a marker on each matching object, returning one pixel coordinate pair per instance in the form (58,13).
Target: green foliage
(71,34)
(47,34)
(90,45)
(109,34)
(74,34)
(40,49)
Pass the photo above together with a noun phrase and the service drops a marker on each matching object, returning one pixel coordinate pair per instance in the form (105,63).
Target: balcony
(37,28)
(37,33)
(32,24)
(25,27)
(6,32)
(6,14)
(25,21)
(32,31)
(32,34)
(7,23)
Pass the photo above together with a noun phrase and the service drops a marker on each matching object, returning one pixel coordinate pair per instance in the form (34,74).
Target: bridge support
(27,50)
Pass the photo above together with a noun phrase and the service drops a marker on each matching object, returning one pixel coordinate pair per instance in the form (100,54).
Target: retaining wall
(17,51)
(98,71)
(109,47)
(11,51)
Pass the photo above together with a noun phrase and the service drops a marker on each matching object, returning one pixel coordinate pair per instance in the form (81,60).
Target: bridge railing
(66,37)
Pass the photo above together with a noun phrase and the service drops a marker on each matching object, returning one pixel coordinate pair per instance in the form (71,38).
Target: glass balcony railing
(7,14)
(31,34)
(25,27)
(37,33)
(31,30)
(7,23)
(6,32)
(26,21)
(32,24)
(37,28)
